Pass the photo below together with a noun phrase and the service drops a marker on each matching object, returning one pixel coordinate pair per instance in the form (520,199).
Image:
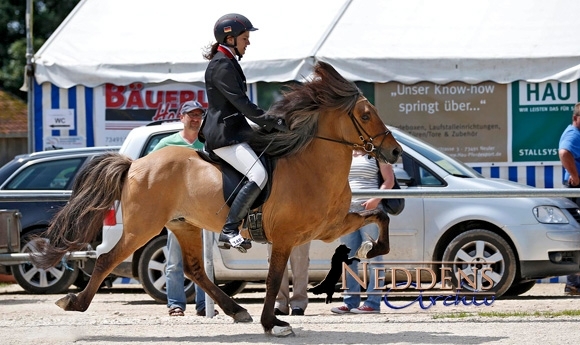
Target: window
(153,142)
(427,178)
(47,175)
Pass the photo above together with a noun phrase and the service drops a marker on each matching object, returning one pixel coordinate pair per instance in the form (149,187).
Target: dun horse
(309,200)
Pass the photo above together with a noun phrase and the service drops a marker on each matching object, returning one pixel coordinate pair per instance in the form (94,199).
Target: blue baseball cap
(190,106)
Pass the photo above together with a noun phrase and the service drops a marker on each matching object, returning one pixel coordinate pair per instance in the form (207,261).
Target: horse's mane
(300,107)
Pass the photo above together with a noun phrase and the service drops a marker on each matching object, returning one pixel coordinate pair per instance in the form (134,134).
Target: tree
(47,16)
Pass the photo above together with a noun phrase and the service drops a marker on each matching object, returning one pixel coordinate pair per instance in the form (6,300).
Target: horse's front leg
(371,248)
(191,248)
(278,263)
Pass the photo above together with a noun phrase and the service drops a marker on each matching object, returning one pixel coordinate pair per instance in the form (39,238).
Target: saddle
(233,181)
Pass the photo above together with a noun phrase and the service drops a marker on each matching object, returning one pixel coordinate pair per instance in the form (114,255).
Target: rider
(225,129)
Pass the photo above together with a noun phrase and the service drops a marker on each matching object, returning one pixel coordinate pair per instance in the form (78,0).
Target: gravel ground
(127,315)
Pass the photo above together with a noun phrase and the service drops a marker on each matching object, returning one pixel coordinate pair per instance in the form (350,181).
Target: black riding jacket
(225,121)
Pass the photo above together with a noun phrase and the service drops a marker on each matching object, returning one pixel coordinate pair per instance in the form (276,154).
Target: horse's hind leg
(108,261)
(190,240)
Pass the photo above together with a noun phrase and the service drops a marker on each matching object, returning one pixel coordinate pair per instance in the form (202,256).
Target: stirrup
(242,244)
(242,248)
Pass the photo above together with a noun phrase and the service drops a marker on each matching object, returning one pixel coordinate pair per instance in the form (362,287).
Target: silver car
(513,240)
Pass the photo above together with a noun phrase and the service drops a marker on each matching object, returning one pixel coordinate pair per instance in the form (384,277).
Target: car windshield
(452,166)
(49,175)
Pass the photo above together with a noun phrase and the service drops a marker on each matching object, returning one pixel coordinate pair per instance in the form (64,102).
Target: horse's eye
(365,117)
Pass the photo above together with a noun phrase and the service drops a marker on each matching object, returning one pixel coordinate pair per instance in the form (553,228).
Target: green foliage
(47,16)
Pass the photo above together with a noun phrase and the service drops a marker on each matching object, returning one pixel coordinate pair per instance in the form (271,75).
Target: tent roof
(469,41)
(111,41)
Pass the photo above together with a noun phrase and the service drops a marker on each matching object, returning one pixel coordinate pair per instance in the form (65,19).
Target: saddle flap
(233,180)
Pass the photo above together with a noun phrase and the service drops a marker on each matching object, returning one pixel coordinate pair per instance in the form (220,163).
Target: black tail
(78,223)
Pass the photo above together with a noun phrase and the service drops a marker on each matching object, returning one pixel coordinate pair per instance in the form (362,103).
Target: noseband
(367,144)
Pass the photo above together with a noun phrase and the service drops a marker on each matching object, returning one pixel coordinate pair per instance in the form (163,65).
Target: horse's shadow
(308,337)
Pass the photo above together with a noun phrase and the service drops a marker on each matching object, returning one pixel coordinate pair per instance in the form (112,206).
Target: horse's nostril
(397,152)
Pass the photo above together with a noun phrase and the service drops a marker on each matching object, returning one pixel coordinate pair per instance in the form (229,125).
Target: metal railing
(17,258)
(432,192)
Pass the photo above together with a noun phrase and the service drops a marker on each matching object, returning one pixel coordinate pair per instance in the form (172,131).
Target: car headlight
(549,215)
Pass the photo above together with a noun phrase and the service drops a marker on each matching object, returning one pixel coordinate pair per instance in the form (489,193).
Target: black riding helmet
(231,24)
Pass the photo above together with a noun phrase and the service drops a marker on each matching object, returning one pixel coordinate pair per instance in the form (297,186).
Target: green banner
(540,112)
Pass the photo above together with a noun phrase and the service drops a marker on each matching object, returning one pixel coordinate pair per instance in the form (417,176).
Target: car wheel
(53,280)
(485,258)
(152,272)
(520,288)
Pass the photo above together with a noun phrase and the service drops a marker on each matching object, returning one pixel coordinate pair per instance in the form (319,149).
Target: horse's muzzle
(389,156)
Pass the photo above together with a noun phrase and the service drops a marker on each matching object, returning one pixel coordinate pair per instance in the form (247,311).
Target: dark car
(38,185)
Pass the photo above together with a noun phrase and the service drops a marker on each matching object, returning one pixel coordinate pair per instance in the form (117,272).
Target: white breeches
(244,160)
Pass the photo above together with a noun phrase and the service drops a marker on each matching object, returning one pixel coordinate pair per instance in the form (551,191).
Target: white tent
(124,41)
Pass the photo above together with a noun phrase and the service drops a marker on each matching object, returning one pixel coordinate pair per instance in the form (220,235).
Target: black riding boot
(231,233)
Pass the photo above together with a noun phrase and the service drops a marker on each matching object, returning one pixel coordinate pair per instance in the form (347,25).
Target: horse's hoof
(363,250)
(282,331)
(65,301)
(243,316)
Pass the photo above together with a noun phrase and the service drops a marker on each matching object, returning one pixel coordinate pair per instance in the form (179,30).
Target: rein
(367,145)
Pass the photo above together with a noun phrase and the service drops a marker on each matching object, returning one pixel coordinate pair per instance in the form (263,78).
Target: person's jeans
(175,278)
(573,279)
(354,241)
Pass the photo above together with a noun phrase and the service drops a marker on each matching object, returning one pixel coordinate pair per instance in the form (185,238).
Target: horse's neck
(329,162)
(333,159)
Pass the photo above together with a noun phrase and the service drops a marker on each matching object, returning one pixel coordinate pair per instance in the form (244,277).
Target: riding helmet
(232,24)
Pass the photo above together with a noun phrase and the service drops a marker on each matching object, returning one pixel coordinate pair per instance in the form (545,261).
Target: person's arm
(569,164)
(388,183)
(227,80)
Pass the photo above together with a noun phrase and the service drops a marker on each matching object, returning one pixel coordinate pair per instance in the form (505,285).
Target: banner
(123,108)
(468,122)
(540,113)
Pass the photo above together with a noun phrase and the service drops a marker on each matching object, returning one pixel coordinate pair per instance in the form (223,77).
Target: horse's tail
(78,223)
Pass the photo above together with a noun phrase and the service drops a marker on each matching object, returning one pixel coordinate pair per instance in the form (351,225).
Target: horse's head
(374,137)
(362,128)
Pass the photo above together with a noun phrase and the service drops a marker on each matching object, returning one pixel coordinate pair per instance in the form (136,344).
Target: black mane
(300,106)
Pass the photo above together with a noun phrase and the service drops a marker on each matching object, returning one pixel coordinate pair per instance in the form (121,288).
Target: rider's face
(242,42)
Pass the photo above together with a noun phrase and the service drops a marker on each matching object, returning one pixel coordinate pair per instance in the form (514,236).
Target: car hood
(455,182)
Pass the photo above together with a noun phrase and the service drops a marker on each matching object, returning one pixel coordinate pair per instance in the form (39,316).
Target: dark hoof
(242,316)
(66,302)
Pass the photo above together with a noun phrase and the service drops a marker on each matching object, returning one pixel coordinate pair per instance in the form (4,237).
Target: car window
(48,175)
(445,162)
(153,141)
(418,174)
(427,178)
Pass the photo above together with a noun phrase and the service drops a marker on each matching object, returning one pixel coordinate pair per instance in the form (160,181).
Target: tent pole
(29,74)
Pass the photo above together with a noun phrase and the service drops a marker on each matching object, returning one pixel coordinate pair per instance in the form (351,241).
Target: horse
(309,199)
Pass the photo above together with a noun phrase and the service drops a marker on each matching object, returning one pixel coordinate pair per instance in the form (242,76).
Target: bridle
(367,144)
